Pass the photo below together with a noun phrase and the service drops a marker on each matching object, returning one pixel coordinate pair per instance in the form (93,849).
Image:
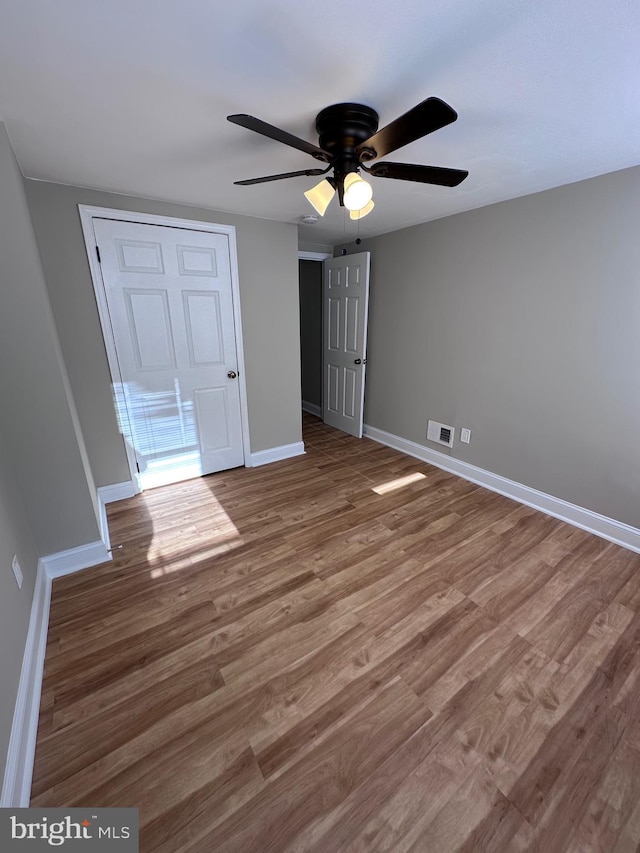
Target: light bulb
(320,196)
(358,214)
(357,193)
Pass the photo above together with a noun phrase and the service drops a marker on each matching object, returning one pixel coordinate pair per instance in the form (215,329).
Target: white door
(345,306)
(170,304)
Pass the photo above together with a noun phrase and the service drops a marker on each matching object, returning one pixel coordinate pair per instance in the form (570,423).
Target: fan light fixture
(357,193)
(358,214)
(320,196)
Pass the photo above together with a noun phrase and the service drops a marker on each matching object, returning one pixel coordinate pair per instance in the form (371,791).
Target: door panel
(203,328)
(150,329)
(346,303)
(332,392)
(333,325)
(350,387)
(212,419)
(168,292)
(139,256)
(351,326)
(197,261)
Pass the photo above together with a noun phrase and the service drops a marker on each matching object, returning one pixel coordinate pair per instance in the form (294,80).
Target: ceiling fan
(349,139)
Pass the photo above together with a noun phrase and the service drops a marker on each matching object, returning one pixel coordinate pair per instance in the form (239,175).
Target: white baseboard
(312,409)
(275,454)
(76,559)
(107,495)
(16,788)
(104,524)
(94,553)
(593,522)
(117,492)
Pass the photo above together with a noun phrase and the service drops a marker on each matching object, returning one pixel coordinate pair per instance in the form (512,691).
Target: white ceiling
(132,96)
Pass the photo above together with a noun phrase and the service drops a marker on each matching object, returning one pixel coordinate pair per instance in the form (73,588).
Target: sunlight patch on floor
(399,483)
(175,565)
(173,469)
(173,551)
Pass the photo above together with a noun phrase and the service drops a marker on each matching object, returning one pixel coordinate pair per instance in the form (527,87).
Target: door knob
(360,361)
(232,374)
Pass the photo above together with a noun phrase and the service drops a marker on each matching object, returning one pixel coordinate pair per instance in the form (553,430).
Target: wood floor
(348,651)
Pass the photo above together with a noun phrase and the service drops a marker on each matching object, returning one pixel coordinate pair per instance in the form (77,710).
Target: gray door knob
(232,374)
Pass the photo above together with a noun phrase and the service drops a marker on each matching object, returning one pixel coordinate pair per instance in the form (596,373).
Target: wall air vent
(441,433)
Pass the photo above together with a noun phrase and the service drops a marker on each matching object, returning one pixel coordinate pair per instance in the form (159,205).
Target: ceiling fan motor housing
(341,128)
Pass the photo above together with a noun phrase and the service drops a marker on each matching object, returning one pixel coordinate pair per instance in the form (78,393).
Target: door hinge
(137,466)
(98,254)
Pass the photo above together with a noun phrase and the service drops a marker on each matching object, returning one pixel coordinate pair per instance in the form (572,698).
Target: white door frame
(314,256)
(87,214)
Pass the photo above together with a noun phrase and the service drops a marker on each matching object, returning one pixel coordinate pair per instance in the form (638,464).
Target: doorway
(169,308)
(310,287)
(334,300)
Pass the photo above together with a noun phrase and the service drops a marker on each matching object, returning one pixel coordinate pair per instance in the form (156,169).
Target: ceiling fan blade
(423,174)
(267,178)
(259,126)
(424,118)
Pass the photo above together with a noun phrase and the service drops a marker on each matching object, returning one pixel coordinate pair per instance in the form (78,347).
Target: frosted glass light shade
(320,196)
(358,214)
(357,193)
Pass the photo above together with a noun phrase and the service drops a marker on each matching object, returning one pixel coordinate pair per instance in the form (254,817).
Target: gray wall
(37,415)
(15,604)
(520,321)
(310,275)
(47,499)
(268,273)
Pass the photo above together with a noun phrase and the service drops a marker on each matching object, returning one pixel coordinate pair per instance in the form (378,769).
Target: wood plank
(318,782)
